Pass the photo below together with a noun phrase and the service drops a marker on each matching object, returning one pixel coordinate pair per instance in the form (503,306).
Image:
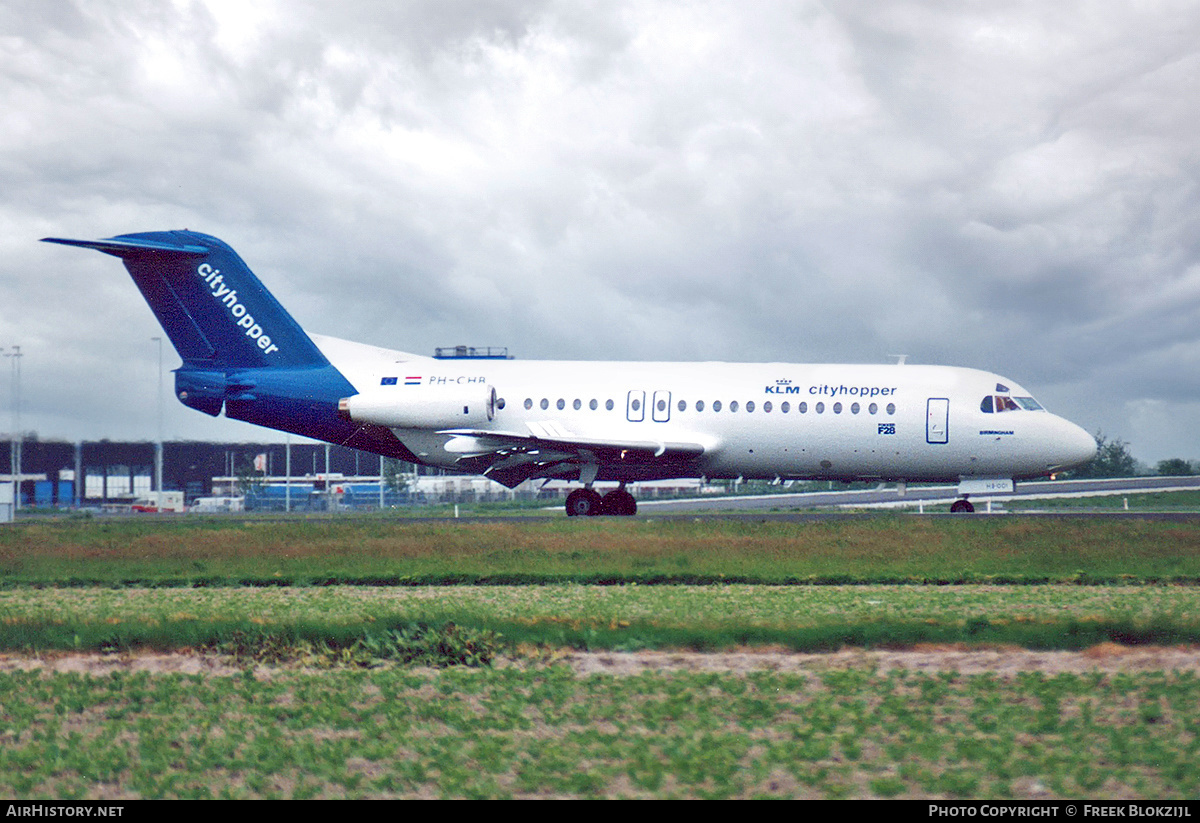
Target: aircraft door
(660,412)
(937,420)
(635,406)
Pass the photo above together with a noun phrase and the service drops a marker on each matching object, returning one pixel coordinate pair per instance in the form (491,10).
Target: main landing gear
(963,506)
(587,502)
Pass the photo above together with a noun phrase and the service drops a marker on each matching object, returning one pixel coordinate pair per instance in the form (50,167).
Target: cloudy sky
(1004,185)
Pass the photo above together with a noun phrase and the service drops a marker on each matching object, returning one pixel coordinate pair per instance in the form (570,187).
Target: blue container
(43,492)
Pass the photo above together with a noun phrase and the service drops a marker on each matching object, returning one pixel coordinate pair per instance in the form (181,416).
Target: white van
(213,505)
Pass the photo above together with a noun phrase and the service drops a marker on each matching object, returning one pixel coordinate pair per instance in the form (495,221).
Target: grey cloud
(1010,187)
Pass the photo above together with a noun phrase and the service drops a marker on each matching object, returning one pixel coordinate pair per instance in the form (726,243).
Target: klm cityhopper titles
(511,421)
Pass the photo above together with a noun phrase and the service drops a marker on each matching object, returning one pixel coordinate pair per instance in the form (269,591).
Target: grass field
(318,705)
(380,550)
(1182,501)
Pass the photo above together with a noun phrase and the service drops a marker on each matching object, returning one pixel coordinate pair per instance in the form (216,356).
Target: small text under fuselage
(435,380)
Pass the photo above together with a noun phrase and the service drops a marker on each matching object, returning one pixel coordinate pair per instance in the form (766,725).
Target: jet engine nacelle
(427,407)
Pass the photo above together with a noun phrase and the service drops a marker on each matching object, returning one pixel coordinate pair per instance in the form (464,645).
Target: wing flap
(479,441)
(511,457)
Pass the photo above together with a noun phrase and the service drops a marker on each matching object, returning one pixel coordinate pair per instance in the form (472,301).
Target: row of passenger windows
(716,406)
(562,404)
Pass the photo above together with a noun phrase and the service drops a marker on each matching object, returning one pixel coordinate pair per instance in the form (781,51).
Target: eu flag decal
(388,381)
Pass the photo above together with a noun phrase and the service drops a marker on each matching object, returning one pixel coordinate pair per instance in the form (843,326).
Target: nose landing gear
(963,506)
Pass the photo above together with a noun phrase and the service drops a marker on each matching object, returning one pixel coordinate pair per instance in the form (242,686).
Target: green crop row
(621,617)
(737,604)
(546,732)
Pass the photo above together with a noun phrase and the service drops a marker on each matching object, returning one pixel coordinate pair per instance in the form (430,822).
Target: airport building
(95,473)
(232,476)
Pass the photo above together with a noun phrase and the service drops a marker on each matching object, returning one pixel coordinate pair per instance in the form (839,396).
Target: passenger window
(545,404)
(699,405)
(683,405)
(562,404)
(637,404)
(608,404)
(820,408)
(891,408)
(716,405)
(837,408)
(662,405)
(528,402)
(854,407)
(592,404)
(873,408)
(767,406)
(802,408)
(578,404)
(785,407)
(749,406)
(733,406)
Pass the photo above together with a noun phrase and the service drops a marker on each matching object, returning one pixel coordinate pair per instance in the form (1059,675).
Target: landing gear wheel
(620,502)
(584,503)
(962,506)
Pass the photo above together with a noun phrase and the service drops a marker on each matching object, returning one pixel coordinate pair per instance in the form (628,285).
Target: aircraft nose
(1075,445)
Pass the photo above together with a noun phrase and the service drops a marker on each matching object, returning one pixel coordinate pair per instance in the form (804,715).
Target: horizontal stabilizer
(125,248)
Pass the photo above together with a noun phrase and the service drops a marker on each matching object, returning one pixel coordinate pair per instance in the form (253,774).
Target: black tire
(620,503)
(584,503)
(962,507)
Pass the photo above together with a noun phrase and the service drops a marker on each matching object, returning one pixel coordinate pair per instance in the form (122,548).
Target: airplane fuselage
(751,420)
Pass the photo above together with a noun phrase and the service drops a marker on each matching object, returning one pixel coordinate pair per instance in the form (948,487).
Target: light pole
(287,485)
(158,446)
(16,439)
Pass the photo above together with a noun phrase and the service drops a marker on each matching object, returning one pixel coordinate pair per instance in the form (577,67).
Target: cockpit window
(1002,403)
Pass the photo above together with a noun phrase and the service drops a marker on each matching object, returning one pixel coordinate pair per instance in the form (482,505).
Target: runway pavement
(919,497)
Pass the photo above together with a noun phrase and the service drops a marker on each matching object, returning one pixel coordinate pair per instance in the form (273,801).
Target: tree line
(1113,459)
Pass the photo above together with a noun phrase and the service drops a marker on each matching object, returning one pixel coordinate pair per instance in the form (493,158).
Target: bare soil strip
(1004,662)
(1109,658)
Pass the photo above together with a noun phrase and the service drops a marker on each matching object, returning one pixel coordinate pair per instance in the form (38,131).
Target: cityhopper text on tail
(513,420)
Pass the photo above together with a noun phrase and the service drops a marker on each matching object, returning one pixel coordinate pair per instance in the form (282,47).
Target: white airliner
(513,420)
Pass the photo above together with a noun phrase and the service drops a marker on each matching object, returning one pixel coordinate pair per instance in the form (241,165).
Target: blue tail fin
(242,352)
(212,307)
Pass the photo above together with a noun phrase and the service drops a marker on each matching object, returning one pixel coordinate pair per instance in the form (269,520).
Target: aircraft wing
(548,449)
